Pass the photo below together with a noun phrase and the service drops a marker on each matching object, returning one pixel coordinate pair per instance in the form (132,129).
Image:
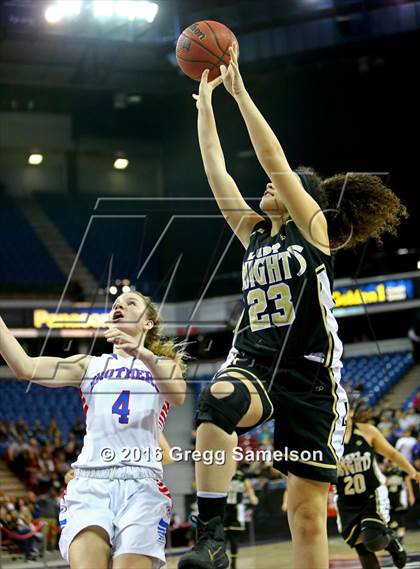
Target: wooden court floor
(279,555)
(269,556)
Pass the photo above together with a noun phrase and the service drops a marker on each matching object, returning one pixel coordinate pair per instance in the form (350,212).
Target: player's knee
(221,389)
(308,521)
(83,558)
(374,539)
(223,403)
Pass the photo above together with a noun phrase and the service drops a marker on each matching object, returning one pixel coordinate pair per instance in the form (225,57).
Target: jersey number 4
(120,407)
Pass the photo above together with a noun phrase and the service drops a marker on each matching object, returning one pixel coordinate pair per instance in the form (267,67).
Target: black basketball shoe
(398,553)
(209,551)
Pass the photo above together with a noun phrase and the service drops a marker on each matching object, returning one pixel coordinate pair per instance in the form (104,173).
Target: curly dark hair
(357,206)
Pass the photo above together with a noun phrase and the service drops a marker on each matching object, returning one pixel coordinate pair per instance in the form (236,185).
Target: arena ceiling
(33,54)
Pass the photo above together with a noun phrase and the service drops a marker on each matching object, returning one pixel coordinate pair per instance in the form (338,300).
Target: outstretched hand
(231,76)
(131,346)
(206,89)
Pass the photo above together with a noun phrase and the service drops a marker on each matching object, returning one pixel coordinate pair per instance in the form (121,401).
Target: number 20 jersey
(125,413)
(288,303)
(358,473)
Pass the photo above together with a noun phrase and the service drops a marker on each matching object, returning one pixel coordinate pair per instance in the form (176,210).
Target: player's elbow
(393,454)
(177,397)
(19,375)
(270,151)
(176,400)
(272,159)
(25,369)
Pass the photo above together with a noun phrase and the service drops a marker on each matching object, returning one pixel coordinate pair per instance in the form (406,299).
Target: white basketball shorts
(135,513)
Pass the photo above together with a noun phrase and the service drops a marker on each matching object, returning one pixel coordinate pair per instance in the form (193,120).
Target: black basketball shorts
(309,409)
(354,516)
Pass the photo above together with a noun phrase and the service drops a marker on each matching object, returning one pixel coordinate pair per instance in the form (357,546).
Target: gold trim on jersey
(320,464)
(235,528)
(351,533)
(336,415)
(318,270)
(373,520)
(257,379)
(359,525)
(375,467)
(236,329)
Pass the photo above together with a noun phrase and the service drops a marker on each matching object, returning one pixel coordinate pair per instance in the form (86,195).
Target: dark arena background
(102,191)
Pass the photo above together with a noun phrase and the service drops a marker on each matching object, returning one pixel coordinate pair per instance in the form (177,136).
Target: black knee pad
(375,539)
(227,411)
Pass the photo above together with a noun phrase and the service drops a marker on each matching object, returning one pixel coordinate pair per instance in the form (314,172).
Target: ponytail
(156,343)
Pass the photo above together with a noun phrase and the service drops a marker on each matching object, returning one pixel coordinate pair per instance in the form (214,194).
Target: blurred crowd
(400,427)
(38,455)
(30,523)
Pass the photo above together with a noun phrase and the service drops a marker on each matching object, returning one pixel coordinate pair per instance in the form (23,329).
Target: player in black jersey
(401,496)
(362,502)
(234,520)
(285,362)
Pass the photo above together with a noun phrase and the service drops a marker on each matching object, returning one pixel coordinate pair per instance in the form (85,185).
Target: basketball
(204,45)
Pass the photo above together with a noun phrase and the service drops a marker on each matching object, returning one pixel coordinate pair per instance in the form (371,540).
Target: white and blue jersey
(125,412)
(117,483)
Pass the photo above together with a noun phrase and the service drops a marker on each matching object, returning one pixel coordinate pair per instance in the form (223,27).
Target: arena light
(130,10)
(136,10)
(125,9)
(53,14)
(69,8)
(35,159)
(126,288)
(103,8)
(121,163)
(113,290)
(147,11)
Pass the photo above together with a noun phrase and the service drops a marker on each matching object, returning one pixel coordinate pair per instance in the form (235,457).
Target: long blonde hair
(156,343)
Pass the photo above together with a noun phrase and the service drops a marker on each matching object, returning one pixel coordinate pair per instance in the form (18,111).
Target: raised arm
(232,205)
(166,372)
(376,439)
(303,209)
(47,371)
(410,493)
